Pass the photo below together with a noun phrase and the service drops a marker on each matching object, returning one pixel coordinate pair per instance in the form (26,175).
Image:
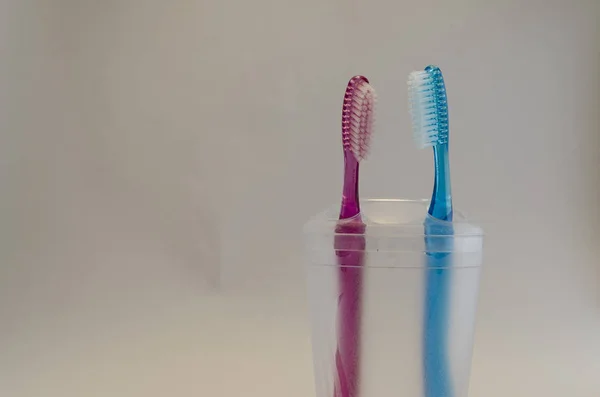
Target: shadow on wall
(190,236)
(589,158)
(593,167)
(137,91)
(180,228)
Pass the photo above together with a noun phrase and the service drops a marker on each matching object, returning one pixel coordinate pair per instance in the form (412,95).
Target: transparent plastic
(389,262)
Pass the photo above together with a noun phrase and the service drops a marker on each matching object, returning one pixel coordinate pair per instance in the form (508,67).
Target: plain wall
(159,158)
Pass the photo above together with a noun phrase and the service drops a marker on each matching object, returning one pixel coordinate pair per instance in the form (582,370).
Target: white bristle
(361,120)
(422,108)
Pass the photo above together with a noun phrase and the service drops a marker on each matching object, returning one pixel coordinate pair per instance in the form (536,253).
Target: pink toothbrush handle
(350,253)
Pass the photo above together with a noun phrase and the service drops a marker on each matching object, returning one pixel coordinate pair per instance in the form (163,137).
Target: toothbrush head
(428,107)
(358,117)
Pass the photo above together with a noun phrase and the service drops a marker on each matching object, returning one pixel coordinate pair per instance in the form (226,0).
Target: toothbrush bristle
(428,107)
(358,117)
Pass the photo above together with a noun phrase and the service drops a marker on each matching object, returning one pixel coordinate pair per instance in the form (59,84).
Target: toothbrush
(429,111)
(357,126)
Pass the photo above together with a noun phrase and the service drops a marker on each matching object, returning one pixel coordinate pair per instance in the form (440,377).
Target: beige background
(158,159)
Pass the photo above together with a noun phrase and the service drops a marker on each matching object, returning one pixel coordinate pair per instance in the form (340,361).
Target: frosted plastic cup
(392,301)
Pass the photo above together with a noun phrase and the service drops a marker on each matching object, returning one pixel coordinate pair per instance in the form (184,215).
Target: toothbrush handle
(438,380)
(441,199)
(350,253)
(436,364)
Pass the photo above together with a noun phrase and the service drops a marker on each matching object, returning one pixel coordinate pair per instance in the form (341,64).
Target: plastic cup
(393,298)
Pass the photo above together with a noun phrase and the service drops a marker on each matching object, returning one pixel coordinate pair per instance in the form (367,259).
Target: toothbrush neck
(441,199)
(350,202)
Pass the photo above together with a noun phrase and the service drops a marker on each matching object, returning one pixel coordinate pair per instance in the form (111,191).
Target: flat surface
(253,346)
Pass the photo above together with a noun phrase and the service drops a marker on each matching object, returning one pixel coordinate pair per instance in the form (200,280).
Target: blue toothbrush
(429,111)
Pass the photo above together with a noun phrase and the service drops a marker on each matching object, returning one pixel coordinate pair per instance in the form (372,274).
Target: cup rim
(393,217)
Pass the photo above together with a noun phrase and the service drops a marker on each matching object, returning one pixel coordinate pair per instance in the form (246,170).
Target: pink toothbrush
(357,126)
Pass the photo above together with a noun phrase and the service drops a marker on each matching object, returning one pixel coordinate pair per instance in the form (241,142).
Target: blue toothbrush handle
(438,382)
(438,378)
